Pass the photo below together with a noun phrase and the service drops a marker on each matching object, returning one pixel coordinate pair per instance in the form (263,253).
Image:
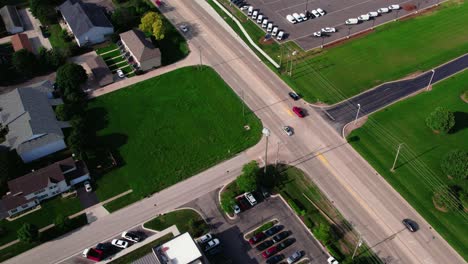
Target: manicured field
(418,170)
(167,129)
(186,220)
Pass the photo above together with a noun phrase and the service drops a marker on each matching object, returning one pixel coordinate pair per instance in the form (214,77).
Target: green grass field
(418,169)
(186,220)
(167,129)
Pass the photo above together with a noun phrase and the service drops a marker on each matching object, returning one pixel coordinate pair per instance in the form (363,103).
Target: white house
(29,190)
(139,50)
(11,19)
(33,130)
(86,21)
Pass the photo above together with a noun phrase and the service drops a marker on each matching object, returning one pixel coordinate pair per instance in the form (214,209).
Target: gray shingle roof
(10,17)
(140,46)
(81,17)
(30,118)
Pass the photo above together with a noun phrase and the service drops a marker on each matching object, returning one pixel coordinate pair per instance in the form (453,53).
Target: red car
(269,252)
(93,254)
(298,111)
(257,238)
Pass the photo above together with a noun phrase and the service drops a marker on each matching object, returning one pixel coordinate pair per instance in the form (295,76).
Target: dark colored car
(298,111)
(294,96)
(269,252)
(275,259)
(131,236)
(257,238)
(286,243)
(275,229)
(243,204)
(264,245)
(104,247)
(410,224)
(281,236)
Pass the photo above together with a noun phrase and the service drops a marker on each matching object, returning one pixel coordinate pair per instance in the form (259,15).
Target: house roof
(11,202)
(10,17)
(81,17)
(100,70)
(141,48)
(30,118)
(21,41)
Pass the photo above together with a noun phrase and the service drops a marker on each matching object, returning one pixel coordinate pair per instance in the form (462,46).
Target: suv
(205,238)
(250,198)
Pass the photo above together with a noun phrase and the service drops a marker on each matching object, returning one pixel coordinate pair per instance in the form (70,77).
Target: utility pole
(430,81)
(357,246)
(396,157)
(357,113)
(266,133)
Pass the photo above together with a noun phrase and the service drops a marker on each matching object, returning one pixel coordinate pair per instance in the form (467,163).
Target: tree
(455,164)
(51,59)
(322,233)
(441,120)
(69,78)
(445,200)
(25,63)
(62,222)
(227,201)
(247,181)
(44,10)
(28,233)
(76,141)
(153,23)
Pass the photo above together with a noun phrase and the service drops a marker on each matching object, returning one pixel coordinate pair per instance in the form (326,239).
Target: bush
(322,233)
(455,164)
(28,233)
(62,222)
(445,199)
(25,63)
(296,207)
(441,120)
(247,181)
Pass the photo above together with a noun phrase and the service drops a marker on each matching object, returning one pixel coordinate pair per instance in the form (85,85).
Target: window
(52,187)
(25,206)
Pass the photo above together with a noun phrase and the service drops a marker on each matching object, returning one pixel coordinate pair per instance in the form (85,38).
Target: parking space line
(290,112)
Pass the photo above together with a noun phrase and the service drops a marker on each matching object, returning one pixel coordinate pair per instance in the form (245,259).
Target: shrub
(322,233)
(296,207)
(28,233)
(62,222)
(227,201)
(247,181)
(455,164)
(441,120)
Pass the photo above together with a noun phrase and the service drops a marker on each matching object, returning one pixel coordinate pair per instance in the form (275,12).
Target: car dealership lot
(337,12)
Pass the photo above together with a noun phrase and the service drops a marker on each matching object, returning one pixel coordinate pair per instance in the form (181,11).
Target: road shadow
(461,122)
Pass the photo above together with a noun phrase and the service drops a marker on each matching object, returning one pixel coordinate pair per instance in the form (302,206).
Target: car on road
(269,252)
(294,257)
(257,238)
(264,245)
(315,13)
(250,198)
(317,33)
(383,10)
(294,96)
(120,243)
(394,7)
(286,243)
(352,21)
(328,29)
(93,254)
(281,236)
(332,260)
(275,229)
(212,244)
(373,14)
(298,111)
(320,11)
(120,73)
(275,259)
(287,130)
(236,209)
(131,236)
(87,186)
(410,225)
(205,238)
(183,28)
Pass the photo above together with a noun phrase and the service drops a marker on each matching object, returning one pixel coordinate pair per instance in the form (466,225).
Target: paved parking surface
(87,199)
(337,12)
(231,232)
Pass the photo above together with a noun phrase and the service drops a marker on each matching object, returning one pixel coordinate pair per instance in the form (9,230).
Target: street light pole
(357,113)
(266,133)
(430,81)
(396,157)
(357,246)
(306,10)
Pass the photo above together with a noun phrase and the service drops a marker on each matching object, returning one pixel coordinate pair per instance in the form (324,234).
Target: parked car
(352,21)
(131,236)
(243,204)
(273,230)
(294,257)
(205,238)
(120,73)
(332,260)
(291,19)
(265,23)
(287,130)
(250,11)
(363,17)
(315,13)
(120,243)
(87,186)
(93,254)
(269,27)
(383,10)
(294,96)
(255,14)
(410,225)
(394,7)
(274,32)
(269,252)
(317,34)
(212,244)
(297,17)
(103,246)
(275,259)
(328,29)
(264,245)
(250,198)
(236,209)
(320,11)
(281,236)
(303,16)
(298,111)
(373,14)
(257,238)
(280,35)
(286,243)
(259,19)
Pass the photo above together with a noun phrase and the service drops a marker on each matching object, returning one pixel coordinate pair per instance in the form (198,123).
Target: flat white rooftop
(181,250)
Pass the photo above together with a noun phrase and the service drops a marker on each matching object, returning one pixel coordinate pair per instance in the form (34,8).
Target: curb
(219,199)
(255,228)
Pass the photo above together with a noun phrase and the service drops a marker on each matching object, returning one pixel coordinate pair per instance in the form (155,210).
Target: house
(29,190)
(86,21)
(181,250)
(140,51)
(100,70)
(11,19)
(21,41)
(33,130)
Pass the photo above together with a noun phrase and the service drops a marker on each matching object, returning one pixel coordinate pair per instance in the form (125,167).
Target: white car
(259,19)
(131,236)
(394,7)
(280,35)
(120,73)
(120,243)
(265,23)
(287,130)
(318,34)
(328,29)
(244,7)
(255,14)
(315,13)
(87,186)
(291,19)
(373,14)
(274,32)
(352,21)
(383,10)
(332,260)
(205,238)
(365,17)
(320,11)
(250,198)
(269,27)
(297,17)
(236,209)
(303,16)
(184,28)
(212,244)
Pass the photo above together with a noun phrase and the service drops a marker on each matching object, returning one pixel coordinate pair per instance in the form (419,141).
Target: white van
(270,27)
(352,21)
(383,10)
(274,32)
(254,14)
(363,17)
(264,23)
(250,11)
(280,35)
(259,19)
(291,19)
(297,17)
(373,14)
(394,7)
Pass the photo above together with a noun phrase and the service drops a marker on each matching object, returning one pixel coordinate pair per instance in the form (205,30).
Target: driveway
(31,28)
(87,199)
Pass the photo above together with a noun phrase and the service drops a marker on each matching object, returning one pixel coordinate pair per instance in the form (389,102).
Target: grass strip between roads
(418,173)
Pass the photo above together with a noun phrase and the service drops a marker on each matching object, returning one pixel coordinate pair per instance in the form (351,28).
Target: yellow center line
(289,112)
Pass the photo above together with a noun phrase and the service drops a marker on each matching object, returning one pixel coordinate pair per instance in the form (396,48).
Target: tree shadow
(461,122)
(97,118)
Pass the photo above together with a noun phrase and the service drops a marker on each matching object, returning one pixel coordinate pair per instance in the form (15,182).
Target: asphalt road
(342,113)
(363,197)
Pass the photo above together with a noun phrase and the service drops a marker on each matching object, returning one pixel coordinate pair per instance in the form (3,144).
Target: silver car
(294,257)
(287,130)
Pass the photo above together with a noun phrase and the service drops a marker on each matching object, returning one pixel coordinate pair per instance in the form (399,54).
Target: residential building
(21,41)
(101,73)
(86,21)
(139,50)
(29,190)
(181,250)
(11,19)
(33,129)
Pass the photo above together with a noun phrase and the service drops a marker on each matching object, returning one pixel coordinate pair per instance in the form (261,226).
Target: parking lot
(337,12)
(231,232)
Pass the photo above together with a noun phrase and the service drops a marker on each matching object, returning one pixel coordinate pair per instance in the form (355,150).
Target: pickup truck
(93,254)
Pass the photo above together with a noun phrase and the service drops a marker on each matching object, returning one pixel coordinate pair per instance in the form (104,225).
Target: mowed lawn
(418,169)
(391,52)
(169,128)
